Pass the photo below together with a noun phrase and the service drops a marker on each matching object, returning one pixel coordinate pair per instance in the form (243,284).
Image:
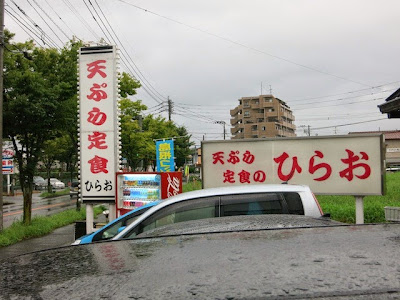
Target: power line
(51,7)
(62,31)
(46,40)
(23,26)
(348,124)
(126,59)
(243,45)
(122,45)
(340,104)
(46,24)
(344,93)
(80,18)
(341,99)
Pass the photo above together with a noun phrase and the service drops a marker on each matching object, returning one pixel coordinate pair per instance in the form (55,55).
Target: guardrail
(392,213)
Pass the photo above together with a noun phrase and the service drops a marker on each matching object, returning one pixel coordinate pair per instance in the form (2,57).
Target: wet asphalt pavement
(337,262)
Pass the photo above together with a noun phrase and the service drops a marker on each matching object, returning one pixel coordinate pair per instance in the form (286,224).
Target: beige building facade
(261,117)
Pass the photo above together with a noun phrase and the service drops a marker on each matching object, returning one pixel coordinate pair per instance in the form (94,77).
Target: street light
(222,123)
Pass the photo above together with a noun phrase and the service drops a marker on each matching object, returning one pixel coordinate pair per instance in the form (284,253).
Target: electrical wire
(348,124)
(46,40)
(47,25)
(51,7)
(243,45)
(81,19)
(51,19)
(128,63)
(127,53)
(24,27)
(340,104)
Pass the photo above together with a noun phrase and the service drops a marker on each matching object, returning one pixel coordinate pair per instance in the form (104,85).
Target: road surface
(13,208)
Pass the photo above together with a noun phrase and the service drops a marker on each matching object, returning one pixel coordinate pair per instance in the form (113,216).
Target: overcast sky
(331,61)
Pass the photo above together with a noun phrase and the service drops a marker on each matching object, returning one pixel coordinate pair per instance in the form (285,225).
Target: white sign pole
(89,218)
(359,209)
(8,184)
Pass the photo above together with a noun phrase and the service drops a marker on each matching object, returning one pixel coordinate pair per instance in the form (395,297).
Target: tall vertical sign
(99,139)
(165,156)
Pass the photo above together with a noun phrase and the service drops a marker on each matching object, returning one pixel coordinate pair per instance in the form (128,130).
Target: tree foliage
(138,134)
(39,86)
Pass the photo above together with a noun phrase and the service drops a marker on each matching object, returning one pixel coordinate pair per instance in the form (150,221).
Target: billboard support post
(359,209)
(89,218)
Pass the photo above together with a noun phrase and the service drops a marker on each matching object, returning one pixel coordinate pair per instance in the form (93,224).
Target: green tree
(51,153)
(135,141)
(139,134)
(182,146)
(38,85)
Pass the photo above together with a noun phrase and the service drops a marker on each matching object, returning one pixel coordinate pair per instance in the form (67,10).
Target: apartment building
(260,117)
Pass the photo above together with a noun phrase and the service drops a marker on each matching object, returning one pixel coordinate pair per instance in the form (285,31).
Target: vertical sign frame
(99,126)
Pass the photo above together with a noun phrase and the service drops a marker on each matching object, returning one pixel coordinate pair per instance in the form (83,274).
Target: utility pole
(222,123)
(140,120)
(1,104)
(308,130)
(169,109)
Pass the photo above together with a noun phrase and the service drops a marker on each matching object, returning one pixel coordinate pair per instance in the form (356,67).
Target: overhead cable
(245,46)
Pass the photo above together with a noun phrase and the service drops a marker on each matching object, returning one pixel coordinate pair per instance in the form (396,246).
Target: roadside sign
(332,165)
(98,123)
(165,156)
(8,166)
(8,161)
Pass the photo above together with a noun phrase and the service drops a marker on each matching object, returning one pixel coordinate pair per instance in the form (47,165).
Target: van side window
(253,204)
(112,230)
(193,209)
(294,203)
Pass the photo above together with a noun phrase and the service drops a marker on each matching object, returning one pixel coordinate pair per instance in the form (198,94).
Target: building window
(263,128)
(267,99)
(246,104)
(247,113)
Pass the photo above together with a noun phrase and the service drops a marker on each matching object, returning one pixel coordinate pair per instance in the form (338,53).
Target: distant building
(260,117)
(392,141)
(391,107)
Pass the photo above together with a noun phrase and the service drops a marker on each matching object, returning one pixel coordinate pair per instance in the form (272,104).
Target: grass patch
(42,225)
(191,186)
(343,208)
(55,194)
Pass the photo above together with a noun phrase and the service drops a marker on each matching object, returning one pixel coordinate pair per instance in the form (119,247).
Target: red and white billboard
(334,165)
(98,123)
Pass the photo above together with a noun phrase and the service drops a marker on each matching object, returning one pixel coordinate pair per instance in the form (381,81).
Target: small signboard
(8,161)
(165,156)
(333,165)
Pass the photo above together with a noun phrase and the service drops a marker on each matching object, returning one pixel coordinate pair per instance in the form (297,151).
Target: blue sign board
(165,156)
